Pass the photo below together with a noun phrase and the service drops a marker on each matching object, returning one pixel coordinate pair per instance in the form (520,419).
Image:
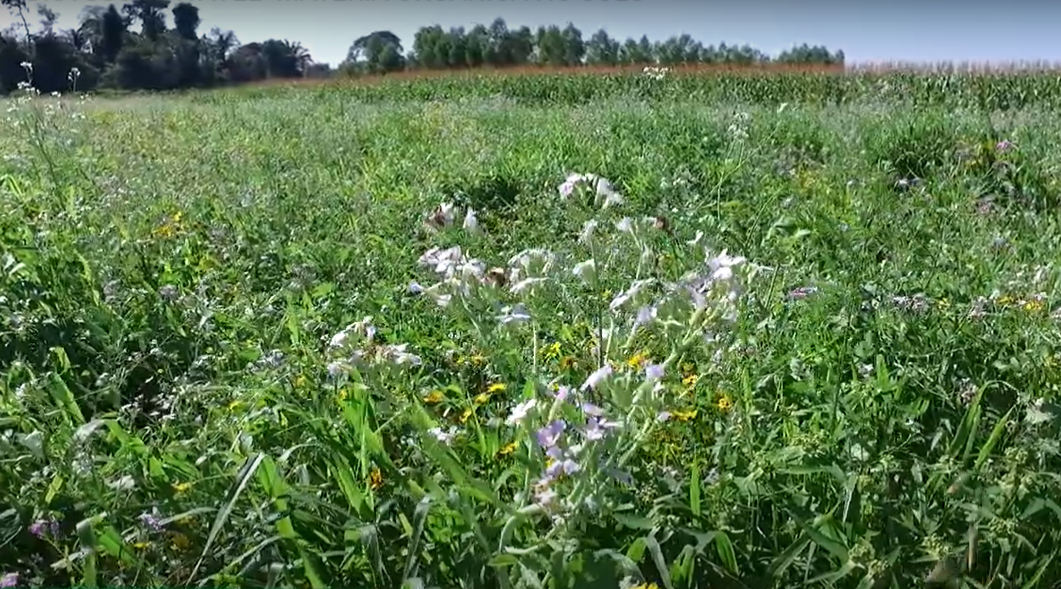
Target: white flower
(597,378)
(585,270)
(471,223)
(587,231)
(525,285)
(515,314)
(444,436)
(626,225)
(520,412)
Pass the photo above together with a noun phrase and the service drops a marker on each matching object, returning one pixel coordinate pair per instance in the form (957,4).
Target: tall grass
(342,337)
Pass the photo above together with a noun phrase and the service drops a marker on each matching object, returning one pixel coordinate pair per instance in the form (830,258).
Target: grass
(204,301)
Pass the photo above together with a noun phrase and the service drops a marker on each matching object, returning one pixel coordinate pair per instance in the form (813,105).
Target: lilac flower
(591,409)
(563,392)
(1004,145)
(663,416)
(653,372)
(544,496)
(42,528)
(802,292)
(152,520)
(9,580)
(645,315)
(598,427)
(520,412)
(559,467)
(549,435)
(594,380)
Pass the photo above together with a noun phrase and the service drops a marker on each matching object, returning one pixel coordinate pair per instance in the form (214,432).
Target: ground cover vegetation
(697,332)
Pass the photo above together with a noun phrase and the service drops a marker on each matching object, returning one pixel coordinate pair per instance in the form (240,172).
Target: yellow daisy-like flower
(683,415)
(1005,300)
(497,387)
(725,403)
(141,545)
(481,399)
(341,395)
(508,448)
(647,586)
(551,351)
(689,381)
(434,397)
(375,479)
(1033,306)
(477,360)
(300,381)
(181,487)
(637,360)
(465,415)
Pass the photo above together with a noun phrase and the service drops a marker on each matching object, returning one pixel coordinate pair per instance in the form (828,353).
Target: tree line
(104,51)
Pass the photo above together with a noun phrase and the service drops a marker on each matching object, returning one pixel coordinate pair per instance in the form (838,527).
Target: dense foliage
(104,52)
(300,338)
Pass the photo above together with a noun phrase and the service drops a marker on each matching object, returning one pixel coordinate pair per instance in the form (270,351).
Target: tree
(186,20)
(150,15)
(376,52)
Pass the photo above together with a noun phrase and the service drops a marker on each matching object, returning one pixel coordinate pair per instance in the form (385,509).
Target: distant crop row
(968,87)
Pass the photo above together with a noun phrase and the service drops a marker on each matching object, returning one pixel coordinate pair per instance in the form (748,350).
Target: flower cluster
(355,346)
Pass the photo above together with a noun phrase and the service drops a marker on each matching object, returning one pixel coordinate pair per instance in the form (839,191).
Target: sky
(899,30)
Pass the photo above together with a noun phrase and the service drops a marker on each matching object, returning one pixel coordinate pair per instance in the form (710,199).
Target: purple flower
(597,378)
(1004,145)
(591,409)
(549,435)
(654,372)
(802,292)
(9,580)
(559,467)
(151,520)
(43,527)
(563,392)
(597,428)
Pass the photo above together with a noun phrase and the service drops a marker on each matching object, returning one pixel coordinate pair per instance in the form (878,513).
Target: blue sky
(902,30)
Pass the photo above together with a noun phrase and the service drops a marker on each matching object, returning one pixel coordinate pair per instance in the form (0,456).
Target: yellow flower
(341,395)
(551,351)
(375,479)
(434,397)
(725,403)
(497,387)
(683,415)
(180,542)
(507,449)
(1033,306)
(300,381)
(465,415)
(1005,300)
(567,362)
(181,487)
(477,360)
(235,405)
(690,380)
(688,368)
(637,360)
(141,545)
(943,303)
(647,586)
(481,399)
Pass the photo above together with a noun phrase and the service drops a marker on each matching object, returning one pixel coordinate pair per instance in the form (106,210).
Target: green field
(810,340)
